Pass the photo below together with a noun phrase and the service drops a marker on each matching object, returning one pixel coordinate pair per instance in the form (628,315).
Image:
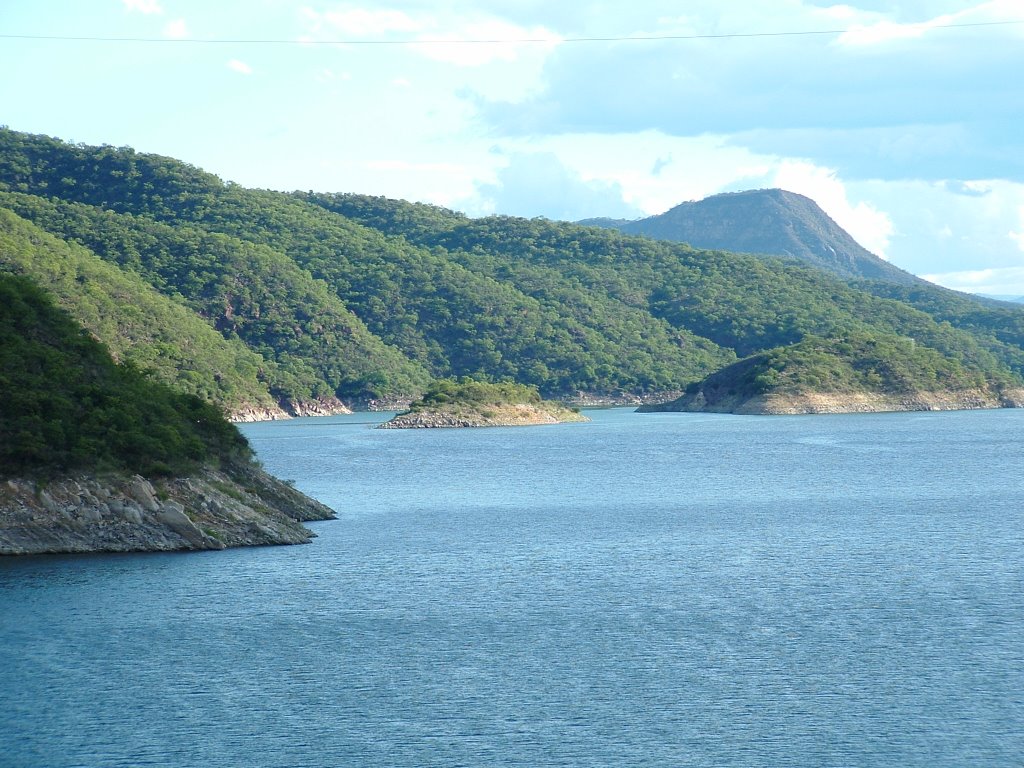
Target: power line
(452,41)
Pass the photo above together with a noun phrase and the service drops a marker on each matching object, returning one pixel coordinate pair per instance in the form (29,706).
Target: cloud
(465,37)
(937,231)
(176,30)
(359,22)
(661,164)
(869,226)
(143,6)
(929,103)
(1005,281)
(538,183)
(492,40)
(1018,237)
(967,188)
(240,67)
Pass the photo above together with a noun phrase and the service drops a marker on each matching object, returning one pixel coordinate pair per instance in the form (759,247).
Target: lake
(642,590)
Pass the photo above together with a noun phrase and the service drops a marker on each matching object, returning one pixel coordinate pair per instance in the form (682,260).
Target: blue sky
(903,120)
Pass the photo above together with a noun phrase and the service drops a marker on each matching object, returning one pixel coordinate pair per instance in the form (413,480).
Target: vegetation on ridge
(319,295)
(444,392)
(66,405)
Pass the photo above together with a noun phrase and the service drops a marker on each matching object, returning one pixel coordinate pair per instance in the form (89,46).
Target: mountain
(301,298)
(766,221)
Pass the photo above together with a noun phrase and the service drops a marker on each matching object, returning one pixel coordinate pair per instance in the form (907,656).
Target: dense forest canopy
(66,405)
(272,297)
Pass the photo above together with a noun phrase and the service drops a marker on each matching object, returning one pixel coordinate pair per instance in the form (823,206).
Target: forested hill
(267,296)
(767,221)
(67,406)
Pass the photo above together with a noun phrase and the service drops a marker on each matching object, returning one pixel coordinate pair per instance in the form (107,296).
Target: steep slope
(351,296)
(451,319)
(250,293)
(134,321)
(78,432)
(773,222)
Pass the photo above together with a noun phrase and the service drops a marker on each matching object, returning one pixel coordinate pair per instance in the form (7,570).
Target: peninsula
(96,456)
(467,403)
(857,373)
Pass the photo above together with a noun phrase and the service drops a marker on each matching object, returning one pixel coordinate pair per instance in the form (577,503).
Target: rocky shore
(849,402)
(211,509)
(323,406)
(511,415)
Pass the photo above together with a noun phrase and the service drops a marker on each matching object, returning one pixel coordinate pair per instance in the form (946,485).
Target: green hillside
(65,405)
(358,297)
(133,320)
(248,292)
(858,371)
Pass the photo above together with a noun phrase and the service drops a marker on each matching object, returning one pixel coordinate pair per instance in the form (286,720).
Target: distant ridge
(766,221)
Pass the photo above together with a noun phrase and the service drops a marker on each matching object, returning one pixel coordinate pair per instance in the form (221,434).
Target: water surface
(643,590)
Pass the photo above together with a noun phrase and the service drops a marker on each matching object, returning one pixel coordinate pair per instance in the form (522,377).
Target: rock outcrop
(252,413)
(511,415)
(323,406)
(840,402)
(211,509)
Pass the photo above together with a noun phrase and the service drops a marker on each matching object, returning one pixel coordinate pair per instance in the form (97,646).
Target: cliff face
(513,415)
(209,510)
(324,406)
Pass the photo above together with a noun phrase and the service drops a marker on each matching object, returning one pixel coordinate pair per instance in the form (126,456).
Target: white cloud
(461,37)
(869,226)
(482,42)
(886,31)
(240,67)
(937,229)
(402,165)
(143,6)
(1001,281)
(359,22)
(176,30)
(930,103)
(540,184)
(1018,237)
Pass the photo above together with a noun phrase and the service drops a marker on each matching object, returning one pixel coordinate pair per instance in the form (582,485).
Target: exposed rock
(513,415)
(252,413)
(840,402)
(617,399)
(213,509)
(142,491)
(322,406)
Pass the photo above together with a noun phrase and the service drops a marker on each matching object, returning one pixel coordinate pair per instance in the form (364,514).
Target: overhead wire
(480,41)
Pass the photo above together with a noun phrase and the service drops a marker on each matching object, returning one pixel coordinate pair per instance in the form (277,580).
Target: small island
(856,373)
(467,403)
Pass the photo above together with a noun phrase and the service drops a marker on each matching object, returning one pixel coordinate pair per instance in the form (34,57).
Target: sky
(903,120)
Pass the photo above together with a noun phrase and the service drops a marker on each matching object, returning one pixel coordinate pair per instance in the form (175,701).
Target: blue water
(643,590)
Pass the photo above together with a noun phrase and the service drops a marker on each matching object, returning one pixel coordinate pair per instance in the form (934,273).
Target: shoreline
(208,510)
